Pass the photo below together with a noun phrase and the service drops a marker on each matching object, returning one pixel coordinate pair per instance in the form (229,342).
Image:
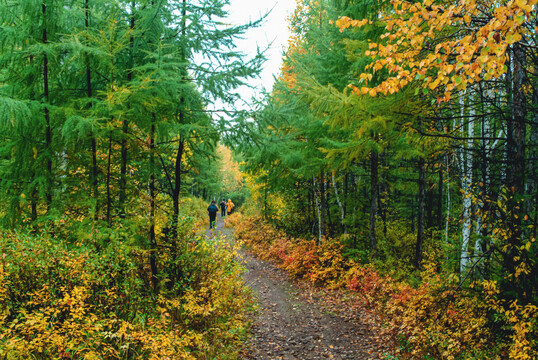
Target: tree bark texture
(420,217)
(374,181)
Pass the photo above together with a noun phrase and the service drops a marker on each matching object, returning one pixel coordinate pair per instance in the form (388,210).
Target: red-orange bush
(437,319)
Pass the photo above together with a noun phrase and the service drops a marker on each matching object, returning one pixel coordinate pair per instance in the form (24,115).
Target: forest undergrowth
(435,319)
(92,297)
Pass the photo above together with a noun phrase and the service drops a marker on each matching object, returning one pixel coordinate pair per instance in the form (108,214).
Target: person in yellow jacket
(230,206)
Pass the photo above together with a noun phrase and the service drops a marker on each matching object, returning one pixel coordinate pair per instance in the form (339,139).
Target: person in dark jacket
(212,212)
(222,208)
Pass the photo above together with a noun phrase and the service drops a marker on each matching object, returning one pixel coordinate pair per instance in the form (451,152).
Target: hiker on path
(222,208)
(230,206)
(212,212)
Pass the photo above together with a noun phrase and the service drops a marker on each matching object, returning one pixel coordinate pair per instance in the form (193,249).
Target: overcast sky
(274,31)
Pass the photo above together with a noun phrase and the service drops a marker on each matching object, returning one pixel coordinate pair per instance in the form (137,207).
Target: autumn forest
(392,171)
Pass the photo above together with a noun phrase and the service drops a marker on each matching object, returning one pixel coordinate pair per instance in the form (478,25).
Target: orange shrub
(302,258)
(436,320)
(231,221)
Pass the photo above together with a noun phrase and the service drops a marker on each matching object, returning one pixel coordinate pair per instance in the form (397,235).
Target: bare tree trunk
(125,124)
(176,191)
(421,206)
(48,128)
(89,94)
(374,181)
(108,176)
(340,205)
(323,203)
(152,239)
(447,222)
(318,209)
(467,179)
(440,196)
(532,182)
(516,138)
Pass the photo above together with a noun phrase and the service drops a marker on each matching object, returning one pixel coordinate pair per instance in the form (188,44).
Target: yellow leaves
(366,77)
(433,85)
(345,22)
(512,38)
(378,66)
(67,307)
(412,27)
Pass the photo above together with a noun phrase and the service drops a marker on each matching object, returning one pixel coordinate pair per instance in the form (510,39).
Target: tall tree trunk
(323,204)
(108,177)
(429,206)
(176,192)
(467,180)
(317,208)
(151,185)
(340,205)
(48,127)
(89,94)
(516,127)
(439,215)
(413,213)
(125,125)
(95,172)
(345,195)
(421,206)
(447,222)
(532,183)
(515,143)
(374,182)
(265,190)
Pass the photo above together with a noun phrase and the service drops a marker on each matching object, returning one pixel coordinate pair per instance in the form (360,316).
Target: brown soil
(296,321)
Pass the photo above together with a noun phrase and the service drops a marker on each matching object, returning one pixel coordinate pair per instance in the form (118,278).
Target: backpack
(212,209)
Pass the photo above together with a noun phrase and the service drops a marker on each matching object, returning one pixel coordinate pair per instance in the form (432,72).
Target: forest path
(292,322)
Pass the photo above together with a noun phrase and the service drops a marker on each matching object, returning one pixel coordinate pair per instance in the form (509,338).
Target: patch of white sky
(272,35)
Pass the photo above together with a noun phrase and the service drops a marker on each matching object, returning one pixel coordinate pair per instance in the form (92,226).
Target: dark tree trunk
(345,195)
(533,163)
(515,143)
(176,192)
(313,206)
(265,199)
(440,196)
(48,128)
(412,213)
(323,204)
(429,207)
(95,172)
(89,93)
(420,220)
(152,239)
(108,176)
(374,183)
(125,125)
(330,219)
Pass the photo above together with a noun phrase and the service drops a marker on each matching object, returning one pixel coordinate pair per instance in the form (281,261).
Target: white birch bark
(467,180)
(340,205)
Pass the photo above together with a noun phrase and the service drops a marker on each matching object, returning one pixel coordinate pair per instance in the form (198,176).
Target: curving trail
(293,323)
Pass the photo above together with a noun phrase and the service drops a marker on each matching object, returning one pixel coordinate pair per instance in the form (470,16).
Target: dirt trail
(293,324)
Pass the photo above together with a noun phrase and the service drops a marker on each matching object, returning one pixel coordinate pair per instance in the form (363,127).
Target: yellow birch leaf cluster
(446,45)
